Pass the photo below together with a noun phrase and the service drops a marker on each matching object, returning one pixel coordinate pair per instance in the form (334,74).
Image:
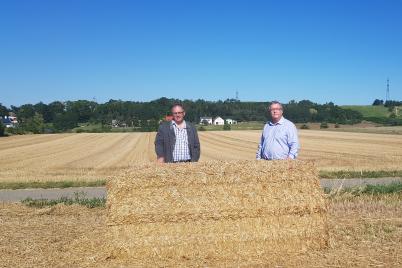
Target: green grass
(369,110)
(51,184)
(393,188)
(79,198)
(102,182)
(360,174)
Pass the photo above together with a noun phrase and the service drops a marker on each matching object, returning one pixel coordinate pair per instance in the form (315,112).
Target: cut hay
(217,213)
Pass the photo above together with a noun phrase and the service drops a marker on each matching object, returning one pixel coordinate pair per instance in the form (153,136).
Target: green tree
(26,111)
(65,121)
(45,111)
(3,110)
(378,102)
(36,124)
(226,126)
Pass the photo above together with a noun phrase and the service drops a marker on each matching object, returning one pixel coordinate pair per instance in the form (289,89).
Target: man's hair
(275,102)
(177,104)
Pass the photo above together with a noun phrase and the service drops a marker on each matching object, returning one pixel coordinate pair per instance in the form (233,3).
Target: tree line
(389,103)
(145,116)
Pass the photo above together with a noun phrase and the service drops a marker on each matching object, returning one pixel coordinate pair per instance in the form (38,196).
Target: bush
(304,126)
(201,128)
(16,130)
(227,127)
(2,129)
(324,125)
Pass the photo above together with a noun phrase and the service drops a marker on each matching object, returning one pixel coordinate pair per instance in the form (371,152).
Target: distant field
(397,130)
(94,156)
(369,110)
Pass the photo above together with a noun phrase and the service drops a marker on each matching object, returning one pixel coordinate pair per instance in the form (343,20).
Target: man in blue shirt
(279,138)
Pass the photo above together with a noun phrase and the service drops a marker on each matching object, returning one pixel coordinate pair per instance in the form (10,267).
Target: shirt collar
(174,123)
(280,122)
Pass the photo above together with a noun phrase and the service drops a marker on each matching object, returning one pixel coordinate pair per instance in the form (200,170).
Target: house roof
(6,120)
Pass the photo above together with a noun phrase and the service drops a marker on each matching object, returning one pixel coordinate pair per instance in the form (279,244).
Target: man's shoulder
(165,125)
(288,123)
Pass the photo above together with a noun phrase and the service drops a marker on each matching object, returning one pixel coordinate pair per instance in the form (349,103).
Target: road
(90,192)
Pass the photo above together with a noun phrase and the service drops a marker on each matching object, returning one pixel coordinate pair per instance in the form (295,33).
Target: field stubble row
(98,155)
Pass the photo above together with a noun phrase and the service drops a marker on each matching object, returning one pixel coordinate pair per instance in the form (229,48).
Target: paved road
(90,192)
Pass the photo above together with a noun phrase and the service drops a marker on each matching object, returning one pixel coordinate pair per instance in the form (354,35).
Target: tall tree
(3,110)
(2,129)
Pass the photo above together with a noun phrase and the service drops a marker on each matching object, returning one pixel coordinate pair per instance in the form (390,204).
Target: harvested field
(216,213)
(364,231)
(96,156)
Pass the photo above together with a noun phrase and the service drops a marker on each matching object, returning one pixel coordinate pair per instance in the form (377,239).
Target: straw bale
(221,211)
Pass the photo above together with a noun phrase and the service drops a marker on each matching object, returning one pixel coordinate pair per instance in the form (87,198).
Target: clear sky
(339,50)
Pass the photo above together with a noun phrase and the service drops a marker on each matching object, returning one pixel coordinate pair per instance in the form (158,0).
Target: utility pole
(387,93)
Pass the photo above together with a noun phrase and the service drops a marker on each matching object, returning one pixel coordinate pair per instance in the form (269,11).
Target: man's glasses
(178,113)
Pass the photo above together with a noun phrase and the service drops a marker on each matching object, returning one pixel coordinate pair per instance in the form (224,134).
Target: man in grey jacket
(177,140)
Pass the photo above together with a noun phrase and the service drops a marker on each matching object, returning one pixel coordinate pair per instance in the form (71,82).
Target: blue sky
(340,51)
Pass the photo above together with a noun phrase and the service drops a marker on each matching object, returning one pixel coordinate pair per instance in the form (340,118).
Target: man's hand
(160,160)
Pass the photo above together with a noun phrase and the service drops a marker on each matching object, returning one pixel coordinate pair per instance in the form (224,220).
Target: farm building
(230,121)
(206,120)
(10,121)
(218,121)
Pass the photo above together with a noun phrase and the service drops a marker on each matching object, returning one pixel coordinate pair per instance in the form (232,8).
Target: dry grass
(329,150)
(71,156)
(365,231)
(96,156)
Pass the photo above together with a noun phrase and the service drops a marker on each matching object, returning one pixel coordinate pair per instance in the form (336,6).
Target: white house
(219,121)
(231,121)
(206,120)
(9,121)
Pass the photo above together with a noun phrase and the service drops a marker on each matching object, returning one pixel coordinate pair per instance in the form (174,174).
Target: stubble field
(98,155)
(365,231)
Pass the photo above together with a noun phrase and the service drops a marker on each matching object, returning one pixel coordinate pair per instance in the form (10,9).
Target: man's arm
(293,143)
(259,150)
(159,146)
(197,146)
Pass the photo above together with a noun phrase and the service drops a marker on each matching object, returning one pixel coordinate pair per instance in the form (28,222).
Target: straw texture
(217,213)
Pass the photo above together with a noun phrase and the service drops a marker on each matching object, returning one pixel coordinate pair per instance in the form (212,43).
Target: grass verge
(102,182)
(392,188)
(51,184)
(364,174)
(79,198)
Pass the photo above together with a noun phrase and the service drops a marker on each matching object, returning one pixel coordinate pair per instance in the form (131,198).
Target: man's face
(178,114)
(276,112)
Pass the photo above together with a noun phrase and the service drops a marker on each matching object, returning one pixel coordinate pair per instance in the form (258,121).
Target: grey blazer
(166,139)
